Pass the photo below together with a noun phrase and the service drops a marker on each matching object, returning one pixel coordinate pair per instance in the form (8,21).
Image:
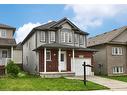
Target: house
(112,56)
(57,48)
(8,47)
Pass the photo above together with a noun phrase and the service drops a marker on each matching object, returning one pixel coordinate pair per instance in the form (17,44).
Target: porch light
(54,54)
(69,54)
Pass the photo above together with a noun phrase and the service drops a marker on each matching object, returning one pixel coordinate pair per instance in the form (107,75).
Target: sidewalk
(114,85)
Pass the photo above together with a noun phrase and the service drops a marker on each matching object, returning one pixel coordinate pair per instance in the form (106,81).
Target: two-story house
(112,56)
(57,48)
(9,50)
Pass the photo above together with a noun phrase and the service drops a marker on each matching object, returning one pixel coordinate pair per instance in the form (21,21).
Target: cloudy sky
(94,19)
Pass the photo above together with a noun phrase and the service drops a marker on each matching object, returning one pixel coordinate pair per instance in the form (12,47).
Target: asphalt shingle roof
(105,37)
(57,45)
(7,42)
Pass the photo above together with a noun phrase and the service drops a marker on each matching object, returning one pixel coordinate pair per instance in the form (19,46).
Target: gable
(66,25)
(121,38)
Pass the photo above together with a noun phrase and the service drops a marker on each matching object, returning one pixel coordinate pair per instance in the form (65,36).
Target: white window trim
(75,38)
(2,53)
(120,68)
(52,36)
(81,41)
(119,51)
(50,55)
(42,36)
(63,34)
(3,31)
(69,36)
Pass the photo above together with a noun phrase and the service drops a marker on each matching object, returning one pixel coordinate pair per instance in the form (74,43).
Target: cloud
(95,15)
(24,30)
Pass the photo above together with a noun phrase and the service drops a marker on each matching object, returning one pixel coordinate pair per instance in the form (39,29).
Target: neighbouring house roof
(105,37)
(57,45)
(54,25)
(4,26)
(7,42)
(19,46)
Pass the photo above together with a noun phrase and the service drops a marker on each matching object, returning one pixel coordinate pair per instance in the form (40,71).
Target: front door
(63,61)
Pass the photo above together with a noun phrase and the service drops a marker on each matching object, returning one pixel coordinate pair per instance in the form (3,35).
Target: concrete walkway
(114,85)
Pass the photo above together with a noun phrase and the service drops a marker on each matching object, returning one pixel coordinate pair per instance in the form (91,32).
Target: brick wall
(52,66)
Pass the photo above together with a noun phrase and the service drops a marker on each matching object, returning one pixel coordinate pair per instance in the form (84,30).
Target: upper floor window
(3,33)
(52,36)
(69,37)
(117,51)
(76,38)
(63,35)
(42,36)
(81,39)
(66,35)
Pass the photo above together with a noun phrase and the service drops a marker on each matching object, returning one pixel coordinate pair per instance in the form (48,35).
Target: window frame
(117,51)
(63,34)
(42,39)
(81,43)
(49,54)
(75,38)
(3,32)
(54,38)
(6,53)
(70,37)
(117,70)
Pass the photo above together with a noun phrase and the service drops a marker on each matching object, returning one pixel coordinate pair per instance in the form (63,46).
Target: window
(118,69)
(3,33)
(48,55)
(63,36)
(76,38)
(42,36)
(52,36)
(81,39)
(117,51)
(69,37)
(62,57)
(4,53)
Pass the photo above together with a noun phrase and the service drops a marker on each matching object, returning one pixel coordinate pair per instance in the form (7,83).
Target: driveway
(114,85)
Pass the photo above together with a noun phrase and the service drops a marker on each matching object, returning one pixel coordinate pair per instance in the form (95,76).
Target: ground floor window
(4,53)
(117,69)
(48,55)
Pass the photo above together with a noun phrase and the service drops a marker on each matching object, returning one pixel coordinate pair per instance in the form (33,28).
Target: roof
(54,25)
(57,45)
(7,42)
(4,26)
(105,37)
(19,46)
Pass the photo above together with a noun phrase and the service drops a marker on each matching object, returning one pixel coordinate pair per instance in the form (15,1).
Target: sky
(94,19)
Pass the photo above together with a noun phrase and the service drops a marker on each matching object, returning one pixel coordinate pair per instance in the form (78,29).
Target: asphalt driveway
(114,85)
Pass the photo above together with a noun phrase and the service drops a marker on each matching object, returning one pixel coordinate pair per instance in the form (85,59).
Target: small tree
(12,68)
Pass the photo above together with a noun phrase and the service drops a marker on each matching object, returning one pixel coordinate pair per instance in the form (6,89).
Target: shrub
(12,69)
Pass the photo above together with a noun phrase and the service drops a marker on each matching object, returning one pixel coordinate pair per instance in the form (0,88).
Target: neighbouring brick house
(112,56)
(7,46)
(57,48)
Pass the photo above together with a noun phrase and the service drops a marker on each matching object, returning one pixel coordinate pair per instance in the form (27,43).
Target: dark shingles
(6,26)
(19,46)
(7,42)
(57,45)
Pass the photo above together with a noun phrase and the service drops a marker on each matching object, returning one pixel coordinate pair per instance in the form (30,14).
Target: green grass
(120,78)
(33,83)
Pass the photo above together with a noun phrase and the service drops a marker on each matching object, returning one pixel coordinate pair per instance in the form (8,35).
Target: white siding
(17,56)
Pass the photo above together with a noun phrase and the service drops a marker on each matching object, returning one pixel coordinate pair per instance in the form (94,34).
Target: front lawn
(34,83)
(120,78)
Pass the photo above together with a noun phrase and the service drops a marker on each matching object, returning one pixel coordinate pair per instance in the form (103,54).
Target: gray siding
(29,57)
